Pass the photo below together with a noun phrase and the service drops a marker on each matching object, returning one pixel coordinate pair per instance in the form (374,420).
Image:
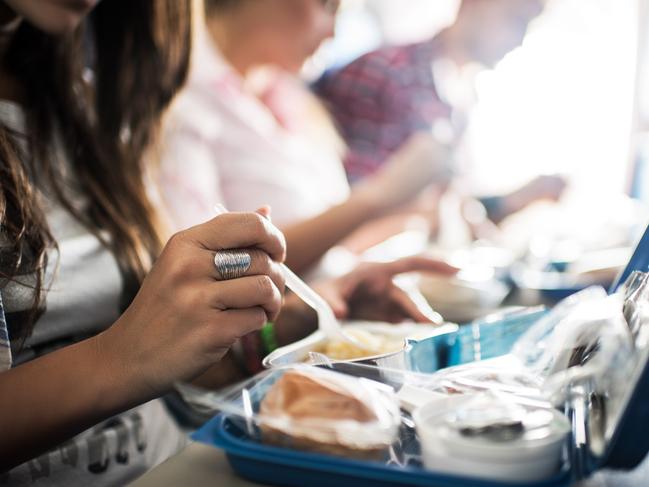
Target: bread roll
(320,414)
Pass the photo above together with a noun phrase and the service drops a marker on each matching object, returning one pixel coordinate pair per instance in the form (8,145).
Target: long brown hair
(102,90)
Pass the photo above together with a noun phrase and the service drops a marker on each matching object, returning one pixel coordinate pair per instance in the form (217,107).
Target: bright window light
(561,103)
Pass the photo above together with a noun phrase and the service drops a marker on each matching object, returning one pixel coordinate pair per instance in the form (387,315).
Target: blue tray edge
(246,457)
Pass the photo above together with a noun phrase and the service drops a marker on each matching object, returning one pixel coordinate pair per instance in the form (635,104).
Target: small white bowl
(463,299)
(523,459)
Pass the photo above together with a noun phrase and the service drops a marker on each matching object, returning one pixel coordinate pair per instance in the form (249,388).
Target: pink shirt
(224,145)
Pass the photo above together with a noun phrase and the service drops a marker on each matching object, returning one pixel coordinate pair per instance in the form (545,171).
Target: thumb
(331,294)
(339,307)
(264,211)
(414,306)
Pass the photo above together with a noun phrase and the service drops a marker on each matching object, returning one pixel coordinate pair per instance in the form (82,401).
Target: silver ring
(232,264)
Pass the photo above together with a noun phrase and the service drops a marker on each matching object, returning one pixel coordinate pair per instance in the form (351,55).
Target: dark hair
(103,90)
(215,6)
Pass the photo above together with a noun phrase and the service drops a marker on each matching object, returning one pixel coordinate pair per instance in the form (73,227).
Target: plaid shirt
(379,100)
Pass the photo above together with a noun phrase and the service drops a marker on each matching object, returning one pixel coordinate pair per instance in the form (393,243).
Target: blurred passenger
(247,133)
(384,97)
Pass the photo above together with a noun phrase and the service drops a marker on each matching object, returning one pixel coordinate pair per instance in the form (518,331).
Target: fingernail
(219,209)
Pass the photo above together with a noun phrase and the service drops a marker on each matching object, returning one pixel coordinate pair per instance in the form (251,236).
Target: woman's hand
(185,316)
(369,293)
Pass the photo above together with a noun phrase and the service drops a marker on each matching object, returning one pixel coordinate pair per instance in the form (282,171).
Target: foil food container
(309,349)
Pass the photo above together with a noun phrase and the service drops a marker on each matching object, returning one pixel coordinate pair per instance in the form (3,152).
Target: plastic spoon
(327,321)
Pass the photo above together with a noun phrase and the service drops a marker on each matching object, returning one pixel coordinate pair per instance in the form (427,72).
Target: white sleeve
(189,176)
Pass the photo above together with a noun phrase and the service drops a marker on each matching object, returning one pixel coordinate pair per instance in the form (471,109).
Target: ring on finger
(232,264)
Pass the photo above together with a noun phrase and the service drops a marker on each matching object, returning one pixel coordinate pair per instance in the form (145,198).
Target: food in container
(489,435)
(377,343)
(322,411)
(389,340)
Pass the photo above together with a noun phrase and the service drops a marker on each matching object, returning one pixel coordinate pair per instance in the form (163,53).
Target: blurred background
(561,103)
(572,100)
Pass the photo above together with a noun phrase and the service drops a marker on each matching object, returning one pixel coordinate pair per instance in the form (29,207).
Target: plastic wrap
(314,409)
(636,305)
(499,375)
(537,347)
(595,345)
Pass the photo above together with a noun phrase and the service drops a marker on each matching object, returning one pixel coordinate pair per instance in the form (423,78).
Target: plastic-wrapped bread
(326,412)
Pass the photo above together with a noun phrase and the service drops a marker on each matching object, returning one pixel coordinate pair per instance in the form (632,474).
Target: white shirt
(223,145)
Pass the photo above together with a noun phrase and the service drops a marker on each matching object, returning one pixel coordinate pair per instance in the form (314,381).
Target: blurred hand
(420,162)
(544,187)
(369,293)
(185,317)
(540,188)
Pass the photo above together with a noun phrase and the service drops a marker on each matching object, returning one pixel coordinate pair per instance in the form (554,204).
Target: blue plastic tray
(480,340)
(280,466)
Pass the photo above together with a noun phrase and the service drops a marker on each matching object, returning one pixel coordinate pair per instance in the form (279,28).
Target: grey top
(83,290)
